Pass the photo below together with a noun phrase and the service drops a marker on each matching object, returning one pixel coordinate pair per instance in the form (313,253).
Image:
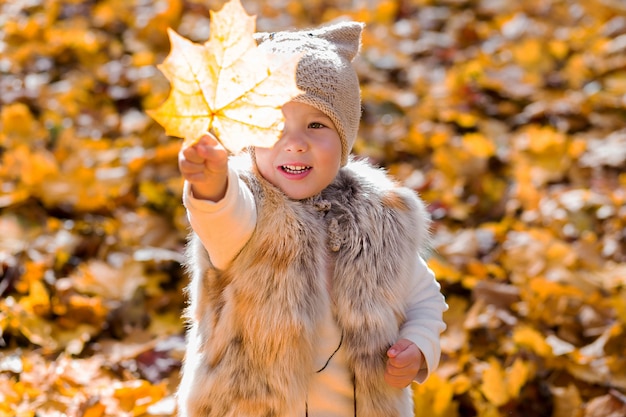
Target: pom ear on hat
(346,36)
(325,72)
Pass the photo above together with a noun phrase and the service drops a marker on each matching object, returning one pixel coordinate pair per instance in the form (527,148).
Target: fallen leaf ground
(508,118)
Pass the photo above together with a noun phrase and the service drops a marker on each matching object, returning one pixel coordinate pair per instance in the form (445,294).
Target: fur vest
(253,325)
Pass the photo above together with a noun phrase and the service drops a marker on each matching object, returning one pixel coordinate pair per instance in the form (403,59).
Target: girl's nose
(293,142)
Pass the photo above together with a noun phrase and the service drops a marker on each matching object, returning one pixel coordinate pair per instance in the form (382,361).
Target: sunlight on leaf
(137,396)
(493,384)
(516,377)
(479,145)
(18,125)
(434,398)
(567,401)
(531,338)
(226,85)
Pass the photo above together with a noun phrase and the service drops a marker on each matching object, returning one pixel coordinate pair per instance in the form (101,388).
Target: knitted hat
(325,73)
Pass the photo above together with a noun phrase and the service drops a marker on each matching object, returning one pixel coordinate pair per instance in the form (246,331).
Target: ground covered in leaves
(507,117)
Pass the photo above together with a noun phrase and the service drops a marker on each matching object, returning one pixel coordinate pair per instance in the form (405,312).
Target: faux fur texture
(253,325)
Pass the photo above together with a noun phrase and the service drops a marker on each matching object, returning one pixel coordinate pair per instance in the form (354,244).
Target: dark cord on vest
(331,356)
(306,404)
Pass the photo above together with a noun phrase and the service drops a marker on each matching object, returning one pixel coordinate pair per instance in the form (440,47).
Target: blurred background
(508,117)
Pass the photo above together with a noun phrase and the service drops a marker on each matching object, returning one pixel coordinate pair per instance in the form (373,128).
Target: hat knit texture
(325,72)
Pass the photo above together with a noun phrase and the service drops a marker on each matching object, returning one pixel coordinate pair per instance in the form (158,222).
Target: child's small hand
(205,166)
(405,361)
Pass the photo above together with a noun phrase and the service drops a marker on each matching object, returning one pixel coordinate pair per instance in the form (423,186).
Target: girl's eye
(316,125)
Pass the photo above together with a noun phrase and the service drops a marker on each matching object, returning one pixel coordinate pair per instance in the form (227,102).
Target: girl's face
(307,157)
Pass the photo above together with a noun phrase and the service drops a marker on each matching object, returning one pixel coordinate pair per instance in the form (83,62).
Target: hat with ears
(325,72)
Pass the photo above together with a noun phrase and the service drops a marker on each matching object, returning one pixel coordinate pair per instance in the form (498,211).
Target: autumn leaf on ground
(226,85)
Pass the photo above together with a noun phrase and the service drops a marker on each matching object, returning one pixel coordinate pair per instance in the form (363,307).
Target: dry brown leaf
(607,406)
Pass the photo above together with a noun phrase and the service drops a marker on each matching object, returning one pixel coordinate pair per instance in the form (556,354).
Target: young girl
(309,293)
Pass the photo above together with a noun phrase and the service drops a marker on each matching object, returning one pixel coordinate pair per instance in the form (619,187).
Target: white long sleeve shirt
(225,226)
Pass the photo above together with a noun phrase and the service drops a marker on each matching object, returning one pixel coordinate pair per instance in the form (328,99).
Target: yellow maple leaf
(226,85)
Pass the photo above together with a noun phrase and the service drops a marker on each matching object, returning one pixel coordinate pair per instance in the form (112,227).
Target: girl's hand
(205,166)
(405,361)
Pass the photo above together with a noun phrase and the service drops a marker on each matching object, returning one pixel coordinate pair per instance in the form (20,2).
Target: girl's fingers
(400,377)
(196,177)
(403,365)
(191,167)
(191,154)
(210,139)
(397,370)
(203,150)
(397,381)
(403,360)
(207,142)
(203,161)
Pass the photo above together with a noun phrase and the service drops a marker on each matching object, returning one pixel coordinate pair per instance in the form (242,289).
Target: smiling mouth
(292,169)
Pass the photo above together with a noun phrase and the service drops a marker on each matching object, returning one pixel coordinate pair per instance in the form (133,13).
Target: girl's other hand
(405,361)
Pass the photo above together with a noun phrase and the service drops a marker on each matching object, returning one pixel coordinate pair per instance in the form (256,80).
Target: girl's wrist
(209,191)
